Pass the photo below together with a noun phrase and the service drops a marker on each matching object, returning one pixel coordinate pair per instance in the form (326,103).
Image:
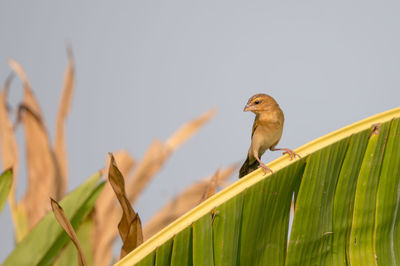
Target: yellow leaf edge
(237,187)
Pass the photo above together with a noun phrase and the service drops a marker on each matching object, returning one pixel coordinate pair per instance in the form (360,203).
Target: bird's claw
(265,168)
(291,153)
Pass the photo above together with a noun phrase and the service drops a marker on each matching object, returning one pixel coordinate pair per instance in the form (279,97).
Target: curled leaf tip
(19,70)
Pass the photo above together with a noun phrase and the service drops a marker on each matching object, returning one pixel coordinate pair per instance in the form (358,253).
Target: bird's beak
(247,107)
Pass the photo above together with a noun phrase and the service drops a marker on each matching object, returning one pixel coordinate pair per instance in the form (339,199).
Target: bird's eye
(256,102)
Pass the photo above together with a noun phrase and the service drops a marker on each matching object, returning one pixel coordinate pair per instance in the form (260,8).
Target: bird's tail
(247,167)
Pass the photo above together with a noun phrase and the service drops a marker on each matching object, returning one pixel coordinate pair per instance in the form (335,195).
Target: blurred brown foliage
(47,170)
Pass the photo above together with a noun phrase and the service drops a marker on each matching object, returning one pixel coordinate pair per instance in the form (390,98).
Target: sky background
(146,67)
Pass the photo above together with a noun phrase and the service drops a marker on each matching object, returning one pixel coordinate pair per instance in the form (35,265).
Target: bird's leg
(291,153)
(263,166)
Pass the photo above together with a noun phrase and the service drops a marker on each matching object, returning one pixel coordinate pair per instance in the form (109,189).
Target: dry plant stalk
(187,200)
(107,214)
(9,148)
(212,186)
(66,225)
(159,152)
(130,226)
(188,129)
(152,162)
(43,170)
(63,110)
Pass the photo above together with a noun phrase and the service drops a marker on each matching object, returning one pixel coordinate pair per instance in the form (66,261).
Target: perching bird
(266,133)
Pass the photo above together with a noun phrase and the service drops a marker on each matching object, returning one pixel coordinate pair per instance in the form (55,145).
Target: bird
(266,133)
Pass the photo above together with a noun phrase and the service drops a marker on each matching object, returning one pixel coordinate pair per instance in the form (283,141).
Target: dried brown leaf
(151,163)
(65,223)
(108,213)
(9,148)
(185,201)
(187,130)
(29,99)
(43,170)
(212,186)
(159,152)
(63,109)
(106,201)
(130,227)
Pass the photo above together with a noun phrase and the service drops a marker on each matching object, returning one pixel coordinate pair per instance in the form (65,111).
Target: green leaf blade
(163,254)
(182,248)
(388,201)
(362,250)
(149,260)
(344,197)
(46,239)
(265,218)
(5,186)
(311,237)
(226,231)
(203,241)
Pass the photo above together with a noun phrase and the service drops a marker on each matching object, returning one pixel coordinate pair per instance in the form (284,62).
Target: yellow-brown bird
(266,133)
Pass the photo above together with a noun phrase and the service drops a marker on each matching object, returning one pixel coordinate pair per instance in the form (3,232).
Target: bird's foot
(265,168)
(291,153)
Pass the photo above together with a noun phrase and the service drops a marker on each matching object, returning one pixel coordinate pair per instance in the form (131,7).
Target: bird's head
(260,103)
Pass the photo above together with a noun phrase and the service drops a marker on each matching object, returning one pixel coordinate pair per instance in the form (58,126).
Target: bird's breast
(265,137)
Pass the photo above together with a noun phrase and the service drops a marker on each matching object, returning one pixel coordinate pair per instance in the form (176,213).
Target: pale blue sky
(146,67)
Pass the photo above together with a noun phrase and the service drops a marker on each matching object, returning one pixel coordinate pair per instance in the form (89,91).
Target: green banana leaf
(346,193)
(47,238)
(5,186)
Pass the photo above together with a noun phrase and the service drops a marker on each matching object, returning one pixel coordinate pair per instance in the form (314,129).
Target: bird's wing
(255,124)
